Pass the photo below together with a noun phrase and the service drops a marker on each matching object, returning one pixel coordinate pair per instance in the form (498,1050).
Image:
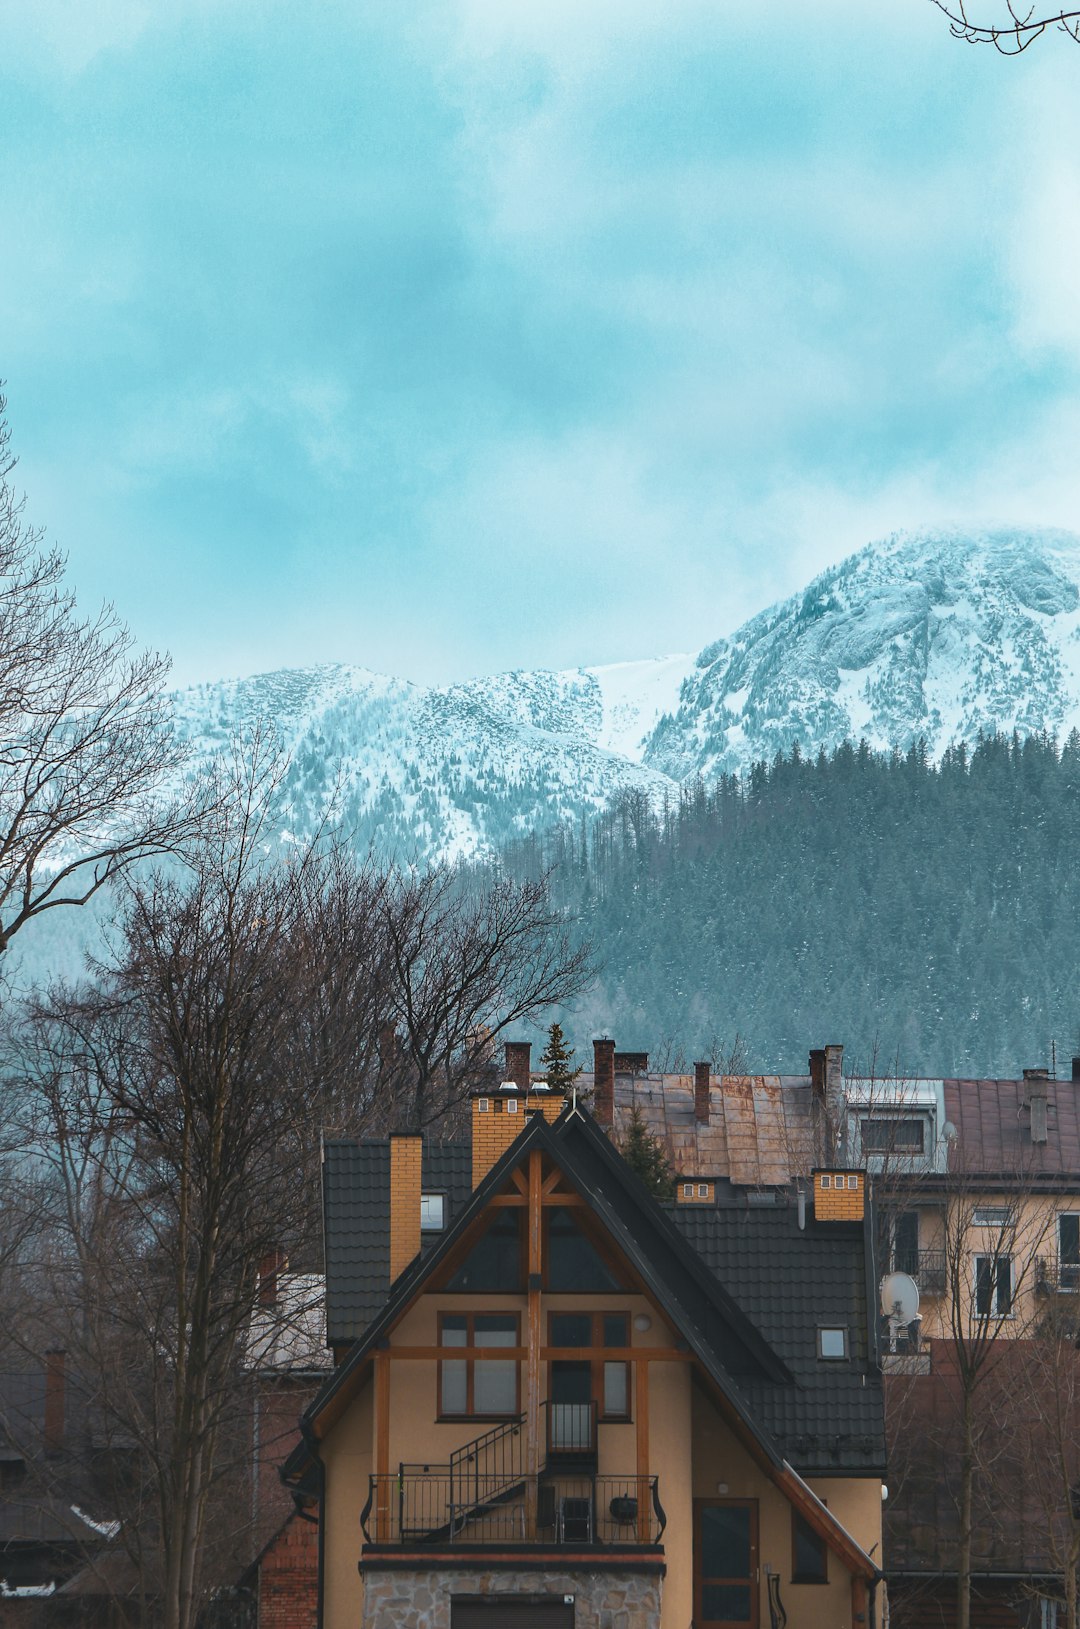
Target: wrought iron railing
(489,1462)
(926,1267)
(417,1505)
(1056,1277)
(570,1431)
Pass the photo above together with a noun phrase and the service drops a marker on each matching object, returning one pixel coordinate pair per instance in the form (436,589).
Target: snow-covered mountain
(452,770)
(936,635)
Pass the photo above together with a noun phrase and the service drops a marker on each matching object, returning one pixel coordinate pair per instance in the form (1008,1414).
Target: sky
(487,334)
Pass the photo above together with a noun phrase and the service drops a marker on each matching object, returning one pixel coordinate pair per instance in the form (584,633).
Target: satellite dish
(948,1131)
(900,1297)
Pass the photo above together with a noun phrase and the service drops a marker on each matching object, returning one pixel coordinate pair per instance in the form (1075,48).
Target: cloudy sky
(500,333)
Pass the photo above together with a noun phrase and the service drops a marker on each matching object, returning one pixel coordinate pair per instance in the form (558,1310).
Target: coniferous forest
(927,916)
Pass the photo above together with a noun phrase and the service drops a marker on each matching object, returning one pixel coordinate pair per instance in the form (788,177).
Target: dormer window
(900,1135)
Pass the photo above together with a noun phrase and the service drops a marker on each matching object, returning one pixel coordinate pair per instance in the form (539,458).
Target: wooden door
(725,1563)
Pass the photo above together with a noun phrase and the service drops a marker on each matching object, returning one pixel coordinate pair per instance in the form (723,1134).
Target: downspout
(311,1442)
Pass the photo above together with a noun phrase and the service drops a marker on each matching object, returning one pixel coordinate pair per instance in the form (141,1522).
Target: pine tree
(556,1061)
(647,1157)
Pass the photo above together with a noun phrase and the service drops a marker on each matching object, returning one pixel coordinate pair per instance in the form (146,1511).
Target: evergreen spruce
(556,1061)
(647,1157)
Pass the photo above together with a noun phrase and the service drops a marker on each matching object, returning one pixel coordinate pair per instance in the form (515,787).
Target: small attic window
(482,1105)
(832,1342)
(826,1180)
(703,1190)
(688,1190)
(853,1180)
(432,1212)
(510,1108)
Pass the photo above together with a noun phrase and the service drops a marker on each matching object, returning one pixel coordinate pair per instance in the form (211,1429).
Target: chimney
(1076,1069)
(272,1265)
(406,1159)
(834,1099)
(1036,1081)
(817,1074)
(518,1066)
(702,1075)
(54,1401)
(604,1082)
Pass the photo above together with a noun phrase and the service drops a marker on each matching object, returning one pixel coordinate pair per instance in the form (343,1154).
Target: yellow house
(561,1404)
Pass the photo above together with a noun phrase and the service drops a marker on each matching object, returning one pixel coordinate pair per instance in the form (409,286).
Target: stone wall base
(422,1599)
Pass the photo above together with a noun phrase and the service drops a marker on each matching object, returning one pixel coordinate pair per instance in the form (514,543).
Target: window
(482,1105)
(905,1136)
(809,1553)
(1048,1612)
(495,1262)
(993,1286)
(853,1180)
(573,1261)
(432,1212)
(609,1383)
(703,1190)
(477,1386)
(832,1342)
(1069,1252)
(991,1216)
(826,1181)
(688,1190)
(905,1242)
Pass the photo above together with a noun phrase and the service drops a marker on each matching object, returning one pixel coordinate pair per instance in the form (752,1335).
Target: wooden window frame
(594,1356)
(754,1580)
(799,1521)
(471,1315)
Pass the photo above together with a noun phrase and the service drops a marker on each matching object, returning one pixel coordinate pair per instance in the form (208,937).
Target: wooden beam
(509,1201)
(858,1601)
(382,1446)
(548,1354)
(641,1412)
(520,1182)
(532,1371)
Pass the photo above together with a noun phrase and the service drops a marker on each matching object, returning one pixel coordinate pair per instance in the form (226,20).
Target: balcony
(926,1267)
(428,1505)
(1056,1277)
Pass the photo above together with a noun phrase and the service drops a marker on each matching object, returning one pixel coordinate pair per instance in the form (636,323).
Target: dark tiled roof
(744,1283)
(356,1203)
(993,1124)
(790,1282)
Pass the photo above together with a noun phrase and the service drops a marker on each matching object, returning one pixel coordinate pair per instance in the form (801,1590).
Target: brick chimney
(272,1265)
(406,1158)
(817,1074)
(54,1401)
(518,1065)
(702,1076)
(1076,1069)
(604,1082)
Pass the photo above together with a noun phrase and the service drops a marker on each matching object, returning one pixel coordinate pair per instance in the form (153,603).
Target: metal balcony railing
(418,1505)
(1056,1277)
(926,1267)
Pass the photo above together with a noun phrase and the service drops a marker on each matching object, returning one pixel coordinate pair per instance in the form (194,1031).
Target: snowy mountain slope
(934,635)
(453,770)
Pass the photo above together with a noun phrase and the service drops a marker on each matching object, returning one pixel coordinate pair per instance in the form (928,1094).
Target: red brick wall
(289,1578)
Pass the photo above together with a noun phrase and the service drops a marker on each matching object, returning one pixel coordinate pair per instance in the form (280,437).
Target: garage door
(511,1612)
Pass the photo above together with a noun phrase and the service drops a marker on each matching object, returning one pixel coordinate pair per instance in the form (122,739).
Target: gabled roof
(733,1355)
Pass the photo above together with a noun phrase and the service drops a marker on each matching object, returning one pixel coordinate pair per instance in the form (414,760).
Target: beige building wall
(1031,1233)
(691,1450)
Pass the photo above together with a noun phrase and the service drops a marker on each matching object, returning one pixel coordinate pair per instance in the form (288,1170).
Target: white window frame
(997,1260)
(991,1216)
(426,1224)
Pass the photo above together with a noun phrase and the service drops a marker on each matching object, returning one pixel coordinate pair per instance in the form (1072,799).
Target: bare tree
(181,1096)
(85,735)
(1015,28)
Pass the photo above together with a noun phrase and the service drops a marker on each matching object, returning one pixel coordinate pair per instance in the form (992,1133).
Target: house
(558,1402)
(976,1187)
